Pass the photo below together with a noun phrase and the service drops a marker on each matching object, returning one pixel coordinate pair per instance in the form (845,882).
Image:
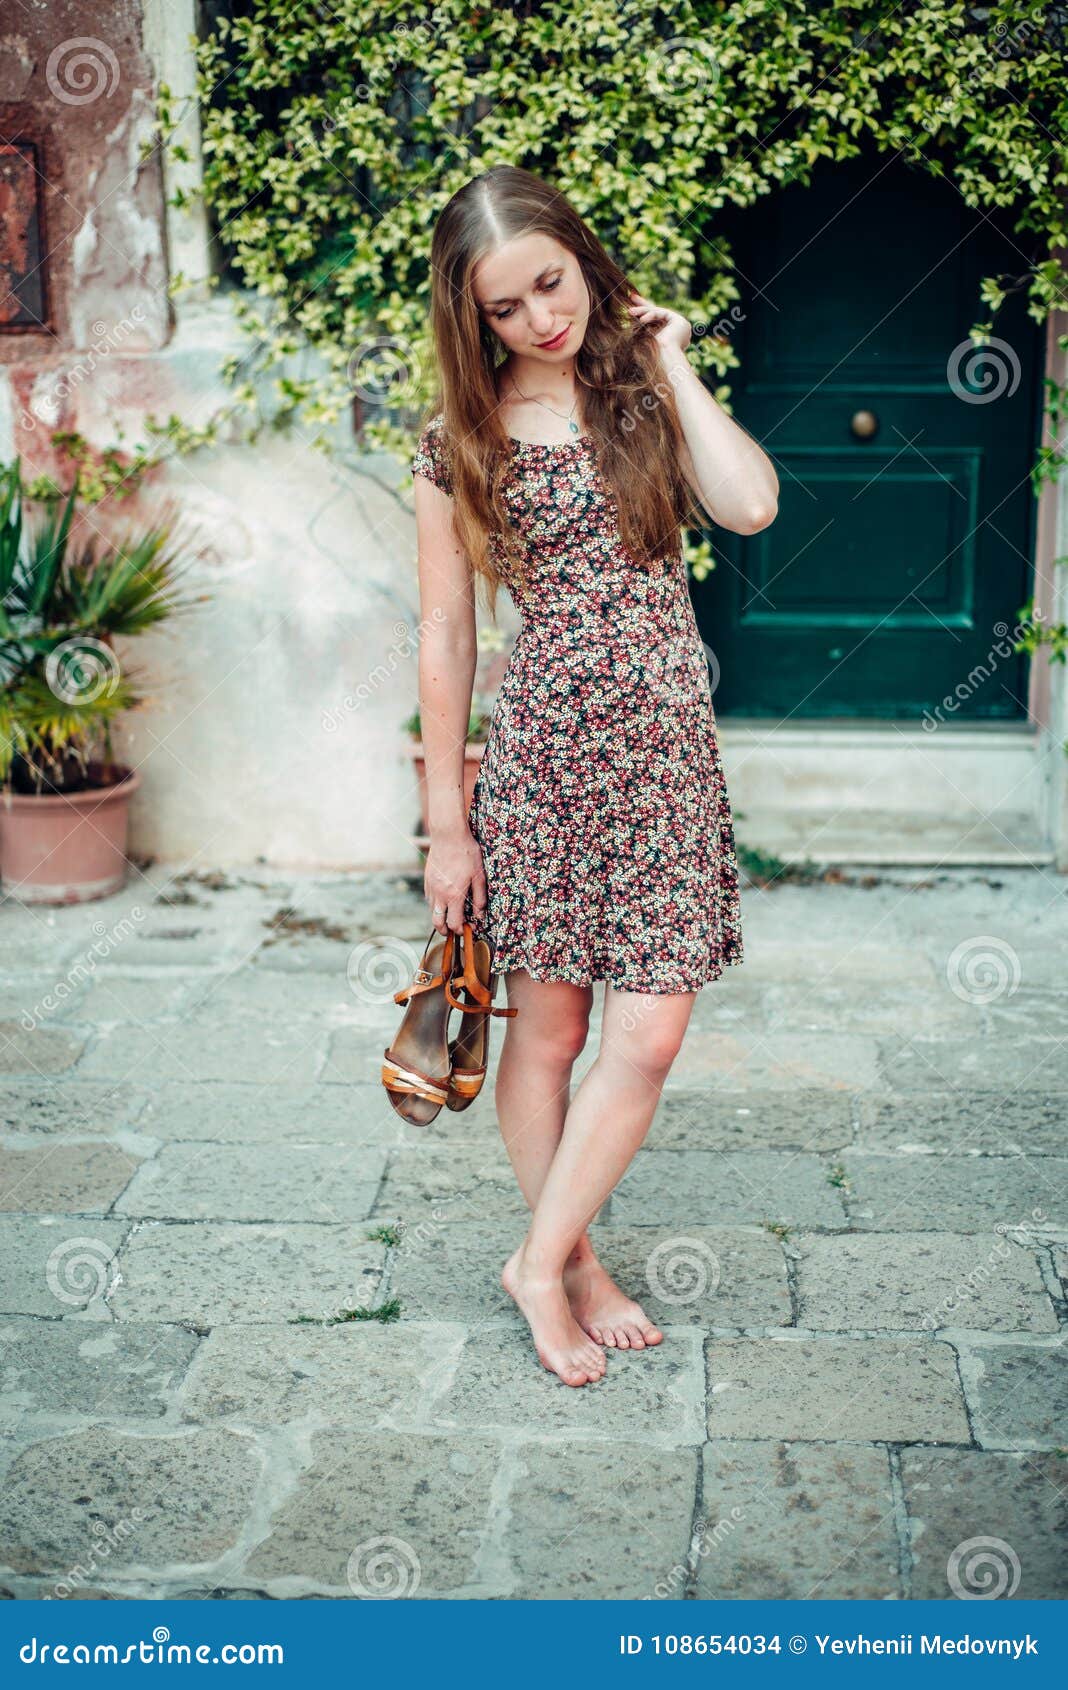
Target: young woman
(571,440)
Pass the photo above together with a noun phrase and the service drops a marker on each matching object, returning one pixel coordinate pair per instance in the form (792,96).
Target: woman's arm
(447,659)
(730,474)
(734,480)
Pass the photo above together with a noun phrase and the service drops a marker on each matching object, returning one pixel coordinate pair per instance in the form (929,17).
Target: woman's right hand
(454,864)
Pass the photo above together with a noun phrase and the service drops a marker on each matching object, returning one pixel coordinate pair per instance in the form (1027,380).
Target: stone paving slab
(269,1115)
(1017,1393)
(215,1050)
(254,1182)
(63,1178)
(994,1122)
(985,1524)
(809,1119)
(56,1265)
(42,1050)
(836,1005)
(112,999)
(265,993)
(464,1183)
(909,1064)
(819,964)
(208,1273)
(702,1276)
(75,1108)
(613,1528)
(919,1282)
(852,1390)
(354,1055)
(949,1193)
(152,1501)
(360,1374)
(690,1186)
(831,1055)
(378,1515)
(745,1060)
(797,1521)
(725,1276)
(71,1367)
(656,1394)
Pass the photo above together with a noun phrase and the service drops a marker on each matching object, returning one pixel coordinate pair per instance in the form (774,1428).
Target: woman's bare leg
(532,1094)
(605,1124)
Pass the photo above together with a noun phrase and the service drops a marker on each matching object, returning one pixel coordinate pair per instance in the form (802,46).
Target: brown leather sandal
(415,1072)
(469,1051)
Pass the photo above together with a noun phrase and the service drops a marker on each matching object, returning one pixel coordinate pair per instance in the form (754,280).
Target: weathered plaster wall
(247,748)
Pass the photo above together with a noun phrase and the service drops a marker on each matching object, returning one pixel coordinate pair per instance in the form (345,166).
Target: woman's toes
(652,1334)
(634,1338)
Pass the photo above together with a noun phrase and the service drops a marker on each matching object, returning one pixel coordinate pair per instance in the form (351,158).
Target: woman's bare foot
(562,1346)
(602,1310)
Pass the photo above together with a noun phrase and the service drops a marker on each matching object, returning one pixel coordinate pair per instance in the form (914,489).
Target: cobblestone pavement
(849,1216)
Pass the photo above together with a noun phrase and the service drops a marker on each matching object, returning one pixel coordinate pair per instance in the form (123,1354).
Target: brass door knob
(864,424)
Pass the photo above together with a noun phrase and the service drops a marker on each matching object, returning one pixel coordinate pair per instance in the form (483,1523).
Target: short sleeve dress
(600,805)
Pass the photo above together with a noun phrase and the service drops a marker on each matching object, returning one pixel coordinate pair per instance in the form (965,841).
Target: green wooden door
(897,557)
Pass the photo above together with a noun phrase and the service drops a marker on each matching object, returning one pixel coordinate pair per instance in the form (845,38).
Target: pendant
(573,426)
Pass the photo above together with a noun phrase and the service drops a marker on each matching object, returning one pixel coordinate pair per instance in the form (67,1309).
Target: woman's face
(531,290)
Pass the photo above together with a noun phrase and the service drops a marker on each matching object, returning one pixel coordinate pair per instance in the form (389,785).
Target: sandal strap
(422,979)
(468,1080)
(398,1075)
(483,1004)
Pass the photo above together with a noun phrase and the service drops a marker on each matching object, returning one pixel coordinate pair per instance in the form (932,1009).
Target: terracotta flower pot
(473,753)
(66,849)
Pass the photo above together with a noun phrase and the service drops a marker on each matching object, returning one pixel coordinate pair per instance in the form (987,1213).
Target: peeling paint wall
(273,725)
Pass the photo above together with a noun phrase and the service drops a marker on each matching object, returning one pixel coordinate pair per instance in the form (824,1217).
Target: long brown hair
(628,404)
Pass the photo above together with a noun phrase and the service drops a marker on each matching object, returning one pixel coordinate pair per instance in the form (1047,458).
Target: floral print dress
(600,805)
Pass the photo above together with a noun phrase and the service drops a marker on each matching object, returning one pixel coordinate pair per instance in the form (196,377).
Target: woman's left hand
(674,329)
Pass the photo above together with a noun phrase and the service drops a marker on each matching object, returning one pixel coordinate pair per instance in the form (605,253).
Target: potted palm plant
(63,603)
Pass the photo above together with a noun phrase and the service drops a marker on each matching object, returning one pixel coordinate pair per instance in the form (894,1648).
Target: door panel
(896,559)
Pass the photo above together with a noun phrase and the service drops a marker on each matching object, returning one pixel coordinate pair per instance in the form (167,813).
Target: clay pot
(66,848)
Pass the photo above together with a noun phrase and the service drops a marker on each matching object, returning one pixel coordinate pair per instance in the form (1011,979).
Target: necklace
(573,426)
